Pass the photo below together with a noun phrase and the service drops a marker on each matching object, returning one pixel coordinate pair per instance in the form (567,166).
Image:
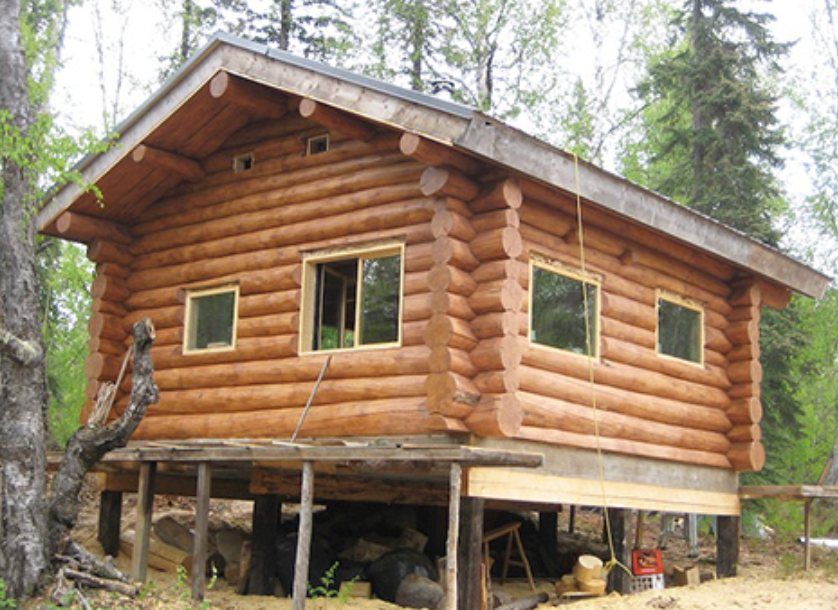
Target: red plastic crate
(646,561)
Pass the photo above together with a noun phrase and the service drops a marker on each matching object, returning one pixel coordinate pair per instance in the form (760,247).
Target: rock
(364,551)
(418,592)
(388,572)
(411,539)
(174,528)
(229,542)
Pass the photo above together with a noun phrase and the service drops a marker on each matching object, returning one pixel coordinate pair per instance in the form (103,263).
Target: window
(317,144)
(680,328)
(211,319)
(353,299)
(243,163)
(558,302)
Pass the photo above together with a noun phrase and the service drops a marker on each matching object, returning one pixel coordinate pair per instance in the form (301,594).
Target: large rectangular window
(559,300)
(680,329)
(353,299)
(211,319)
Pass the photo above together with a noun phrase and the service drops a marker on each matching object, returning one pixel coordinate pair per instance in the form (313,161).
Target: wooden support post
(453,536)
(263,547)
(110,517)
(571,519)
(620,520)
(304,537)
(807,533)
(200,541)
(548,530)
(727,545)
(142,530)
(470,555)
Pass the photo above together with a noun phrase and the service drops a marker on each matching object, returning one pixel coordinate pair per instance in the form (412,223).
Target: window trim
(575,274)
(309,287)
(686,303)
(205,292)
(311,139)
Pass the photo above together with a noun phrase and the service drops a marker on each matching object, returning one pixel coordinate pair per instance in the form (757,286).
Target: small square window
(559,302)
(211,319)
(243,163)
(680,329)
(316,145)
(352,300)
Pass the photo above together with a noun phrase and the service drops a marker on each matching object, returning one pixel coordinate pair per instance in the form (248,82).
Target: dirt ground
(771,577)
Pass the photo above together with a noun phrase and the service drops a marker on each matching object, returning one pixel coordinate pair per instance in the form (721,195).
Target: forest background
(730,107)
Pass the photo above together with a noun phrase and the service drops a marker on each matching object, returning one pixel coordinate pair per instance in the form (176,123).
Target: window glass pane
(558,312)
(679,331)
(211,320)
(334,325)
(380,300)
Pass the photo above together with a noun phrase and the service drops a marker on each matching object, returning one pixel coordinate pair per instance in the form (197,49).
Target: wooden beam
(434,154)
(174,163)
(774,296)
(110,517)
(451,565)
(142,529)
(263,550)
(727,545)
(200,540)
(180,485)
(248,95)
(84,229)
(304,538)
(470,555)
(340,121)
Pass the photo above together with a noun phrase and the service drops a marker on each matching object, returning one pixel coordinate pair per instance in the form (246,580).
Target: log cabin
(441,277)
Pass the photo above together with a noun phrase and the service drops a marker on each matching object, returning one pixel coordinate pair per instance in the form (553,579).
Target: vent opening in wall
(243,163)
(317,144)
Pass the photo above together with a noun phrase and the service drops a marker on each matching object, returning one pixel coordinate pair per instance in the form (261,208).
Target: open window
(559,302)
(211,319)
(352,299)
(680,328)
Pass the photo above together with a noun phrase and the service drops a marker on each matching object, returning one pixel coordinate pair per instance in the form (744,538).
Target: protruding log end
(747,457)
(248,95)
(496,415)
(443,181)
(85,229)
(409,144)
(338,120)
(745,411)
(503,194)
(219,84)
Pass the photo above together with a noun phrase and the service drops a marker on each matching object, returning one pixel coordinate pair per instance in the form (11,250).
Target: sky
(140,36)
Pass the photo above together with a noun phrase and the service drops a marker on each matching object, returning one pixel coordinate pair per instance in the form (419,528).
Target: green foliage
(328,589)
(5,602)
(577,123)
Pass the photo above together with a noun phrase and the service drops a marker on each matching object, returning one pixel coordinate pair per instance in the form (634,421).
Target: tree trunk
(831,477)
(23,393)
(286,23)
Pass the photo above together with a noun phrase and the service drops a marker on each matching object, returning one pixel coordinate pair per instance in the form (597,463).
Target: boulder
(388,572)
(419,592)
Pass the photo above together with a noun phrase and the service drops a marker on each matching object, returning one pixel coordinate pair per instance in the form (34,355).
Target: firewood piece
(340,121)
(84,228)
(170,162)
(434,154)
(250,96)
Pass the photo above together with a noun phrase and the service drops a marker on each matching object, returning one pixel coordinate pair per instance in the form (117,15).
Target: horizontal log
(103,251)
(246,349)
(644,358)
(595,238)
(157,158)
(547,219)
(450,223)
(447,330)
(270,324)
(450,279)
(503,194)
(745,371)
(497,415)
(744,390)
(501,270)
(716,339)
(636,448)
(747,457)
(498,382)
(332,118)
(497,353)
(431,153)
(109,288)
(644,257)
(451,360)
(450,251)
(105,346)
(626,377)
(252,97)
(111,308)
(744,411)
(451,395)
(497,219)
(627,402)
(747,294)
(609,327)
(162,317)
(113,270)
(497,296)
(107,327)
(746,351)
(288,395)
(628,311)
(436,181)
(749,312)
(773,295)
(85,229)
(499,324)
(745,433)
(102,366)
(369,417)
(546,412)
(497,244)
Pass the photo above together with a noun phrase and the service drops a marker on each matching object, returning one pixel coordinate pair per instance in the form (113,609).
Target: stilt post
(620,520)
(200,543)
(304,537)
(260,579)
(451,565)
(142,530)
(807,533)
(110,518)
(727,545)
(548,531)
(470,555)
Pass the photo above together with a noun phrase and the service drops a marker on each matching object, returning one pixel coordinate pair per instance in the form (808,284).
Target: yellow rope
(613,561)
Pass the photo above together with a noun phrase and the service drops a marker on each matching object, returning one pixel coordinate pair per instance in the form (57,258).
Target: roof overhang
(448,123)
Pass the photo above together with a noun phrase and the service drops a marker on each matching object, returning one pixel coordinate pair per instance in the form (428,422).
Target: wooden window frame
(311,139)
(309,296)
(205,292)
(686,303)
(575,274)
